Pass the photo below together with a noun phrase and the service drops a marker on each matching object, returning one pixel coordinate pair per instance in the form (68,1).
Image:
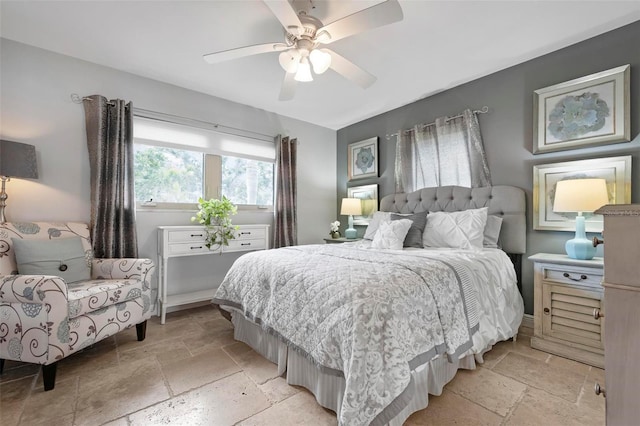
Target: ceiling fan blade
(287,16)
(367,19)
(349,70)
(240,52)
(288,88)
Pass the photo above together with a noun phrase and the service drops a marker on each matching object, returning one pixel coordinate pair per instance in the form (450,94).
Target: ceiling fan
(304,37)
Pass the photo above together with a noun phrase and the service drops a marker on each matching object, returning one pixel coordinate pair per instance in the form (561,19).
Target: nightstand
(340,240)
(568,307)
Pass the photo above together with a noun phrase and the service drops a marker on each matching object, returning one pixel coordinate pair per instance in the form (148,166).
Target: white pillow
(378,217)
(464,229)
(391,235)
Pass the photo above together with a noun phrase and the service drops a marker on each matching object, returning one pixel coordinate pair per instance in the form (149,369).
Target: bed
(372,332)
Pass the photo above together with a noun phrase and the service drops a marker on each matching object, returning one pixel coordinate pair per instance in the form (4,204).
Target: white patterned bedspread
(370,315)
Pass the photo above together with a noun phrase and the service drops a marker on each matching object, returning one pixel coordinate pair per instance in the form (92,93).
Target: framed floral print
(615,170)
(368,195)
(363,159)
(587,111)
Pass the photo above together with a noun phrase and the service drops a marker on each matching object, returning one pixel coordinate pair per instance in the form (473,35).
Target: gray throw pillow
(64,257)
(414,236)
(492,231)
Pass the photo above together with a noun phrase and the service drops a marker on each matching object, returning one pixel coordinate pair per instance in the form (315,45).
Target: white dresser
(180,241)
(568,307)
(622,302)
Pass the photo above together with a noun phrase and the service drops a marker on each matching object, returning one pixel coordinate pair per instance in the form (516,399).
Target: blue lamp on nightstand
(578,196)
(351,206)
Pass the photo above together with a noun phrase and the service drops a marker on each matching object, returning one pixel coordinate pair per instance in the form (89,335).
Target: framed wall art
(368,194)
(615,170)
(587,111)
(363,159)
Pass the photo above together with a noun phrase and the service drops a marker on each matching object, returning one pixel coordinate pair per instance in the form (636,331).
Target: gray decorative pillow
(414,236)
(492,231)
(64,257)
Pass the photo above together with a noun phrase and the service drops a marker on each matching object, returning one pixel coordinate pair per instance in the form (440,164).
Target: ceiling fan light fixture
(304,71)
(289,61)
(320,60)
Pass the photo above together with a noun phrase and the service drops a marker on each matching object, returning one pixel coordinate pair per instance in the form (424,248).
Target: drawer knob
(546,311)
(597,241)
(197,235)
(597,314)
(245,244)
(568,275)
(245,233)
(196,248)
(599,391)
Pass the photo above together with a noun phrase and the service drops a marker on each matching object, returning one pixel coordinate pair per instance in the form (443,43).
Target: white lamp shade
(304,71)
(320,60)
(289,60)
(351,206)
(580,195)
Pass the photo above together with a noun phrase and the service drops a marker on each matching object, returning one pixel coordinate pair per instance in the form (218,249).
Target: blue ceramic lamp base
(350,233)
(580,247)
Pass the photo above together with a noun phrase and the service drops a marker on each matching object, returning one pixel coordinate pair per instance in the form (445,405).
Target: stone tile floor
(191,371)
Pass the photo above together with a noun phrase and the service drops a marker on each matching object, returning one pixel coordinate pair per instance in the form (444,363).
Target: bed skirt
(328,389)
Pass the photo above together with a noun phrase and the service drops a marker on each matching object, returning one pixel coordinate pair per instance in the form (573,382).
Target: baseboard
(527,321)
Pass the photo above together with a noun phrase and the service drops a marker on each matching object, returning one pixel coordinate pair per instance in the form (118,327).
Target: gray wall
(507,128)
(35,108)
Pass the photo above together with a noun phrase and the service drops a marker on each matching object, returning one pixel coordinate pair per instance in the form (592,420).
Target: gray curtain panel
(447,152)
(110,142)
(286,218)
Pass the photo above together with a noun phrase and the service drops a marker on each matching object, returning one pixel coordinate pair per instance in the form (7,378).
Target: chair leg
(49,376)
(141,330)
(1,365)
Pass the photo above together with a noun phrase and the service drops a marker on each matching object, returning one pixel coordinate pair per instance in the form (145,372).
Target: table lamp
(578,196)
(351,206)
(17,160)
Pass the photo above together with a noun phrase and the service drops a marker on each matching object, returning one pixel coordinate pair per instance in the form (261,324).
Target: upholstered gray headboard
(507,202)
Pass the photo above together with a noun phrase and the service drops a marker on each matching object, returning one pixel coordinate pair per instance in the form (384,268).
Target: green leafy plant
(214,215)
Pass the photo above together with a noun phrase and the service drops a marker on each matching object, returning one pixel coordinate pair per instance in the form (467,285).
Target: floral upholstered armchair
(55,299)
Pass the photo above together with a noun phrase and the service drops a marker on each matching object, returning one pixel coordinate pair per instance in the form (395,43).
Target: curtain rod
(161,116)
(483,110)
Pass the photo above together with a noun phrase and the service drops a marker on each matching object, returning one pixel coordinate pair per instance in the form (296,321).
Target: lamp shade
(580,195)
(351,206)
(18,160)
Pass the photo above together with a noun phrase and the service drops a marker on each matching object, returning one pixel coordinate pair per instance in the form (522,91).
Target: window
(174,165)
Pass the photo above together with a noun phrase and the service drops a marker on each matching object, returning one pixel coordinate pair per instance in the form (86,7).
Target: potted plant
(214,215)
(334,229)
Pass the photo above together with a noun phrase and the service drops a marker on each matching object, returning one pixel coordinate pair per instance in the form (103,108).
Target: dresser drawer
(250,233)
(186,235)
(195,247)
(572,276)
(245,244)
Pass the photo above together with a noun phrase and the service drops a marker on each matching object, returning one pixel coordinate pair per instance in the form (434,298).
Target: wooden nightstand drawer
(572,276)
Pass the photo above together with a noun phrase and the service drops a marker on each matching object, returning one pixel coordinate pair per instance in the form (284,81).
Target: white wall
(35,108)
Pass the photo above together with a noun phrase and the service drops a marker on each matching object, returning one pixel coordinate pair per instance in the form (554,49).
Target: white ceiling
(438,45)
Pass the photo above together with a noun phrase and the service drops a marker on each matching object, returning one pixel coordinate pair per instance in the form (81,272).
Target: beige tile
(540,408)
(257,367)
(452,409)
(523,346)
(223,402)
(569,364)
(212,334)
(278,389)
(525,331)
(488,389)
(122,421)
(49,420)
(164,352)
(156,332)
(588,397)
(597,374)
(299,410)
(499,351)
(199,370)
(13,396)
(555,380)
(99,356)
(14,370)
(56,403)
(114,392)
